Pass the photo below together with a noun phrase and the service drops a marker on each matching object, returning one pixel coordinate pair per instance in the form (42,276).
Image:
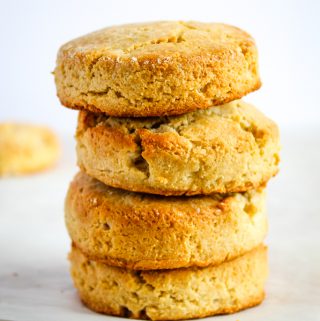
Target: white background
(34,280)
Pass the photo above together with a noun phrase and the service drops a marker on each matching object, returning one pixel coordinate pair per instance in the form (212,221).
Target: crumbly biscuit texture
(229,148)
(172,294)
(141,231)
(155,69)
(26,148)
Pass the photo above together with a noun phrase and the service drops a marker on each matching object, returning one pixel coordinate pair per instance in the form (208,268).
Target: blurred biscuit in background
(26,148)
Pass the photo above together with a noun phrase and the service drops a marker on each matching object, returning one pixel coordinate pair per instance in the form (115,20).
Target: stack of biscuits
(167,215)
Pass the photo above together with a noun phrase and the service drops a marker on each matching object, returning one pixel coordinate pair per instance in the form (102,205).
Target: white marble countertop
(34,277)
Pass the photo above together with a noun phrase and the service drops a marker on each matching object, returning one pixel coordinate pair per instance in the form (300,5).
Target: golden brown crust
(171,294)
(156,69)
(229,148)
(26,148)
(142,232)
(123,312)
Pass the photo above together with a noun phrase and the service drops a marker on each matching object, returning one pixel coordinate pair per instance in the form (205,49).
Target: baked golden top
(159,68)
(159,38)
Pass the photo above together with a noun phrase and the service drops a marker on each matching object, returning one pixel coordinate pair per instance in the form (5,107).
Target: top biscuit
(157,69)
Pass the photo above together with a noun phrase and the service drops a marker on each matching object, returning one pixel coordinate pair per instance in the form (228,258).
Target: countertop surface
(34,276)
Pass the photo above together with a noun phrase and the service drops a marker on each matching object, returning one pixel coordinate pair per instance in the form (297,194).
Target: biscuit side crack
(139,161)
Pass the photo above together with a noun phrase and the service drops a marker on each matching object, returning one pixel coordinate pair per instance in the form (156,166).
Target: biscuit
(26,148)
(171,294)
(156,69)
(141,232)
(229,148)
